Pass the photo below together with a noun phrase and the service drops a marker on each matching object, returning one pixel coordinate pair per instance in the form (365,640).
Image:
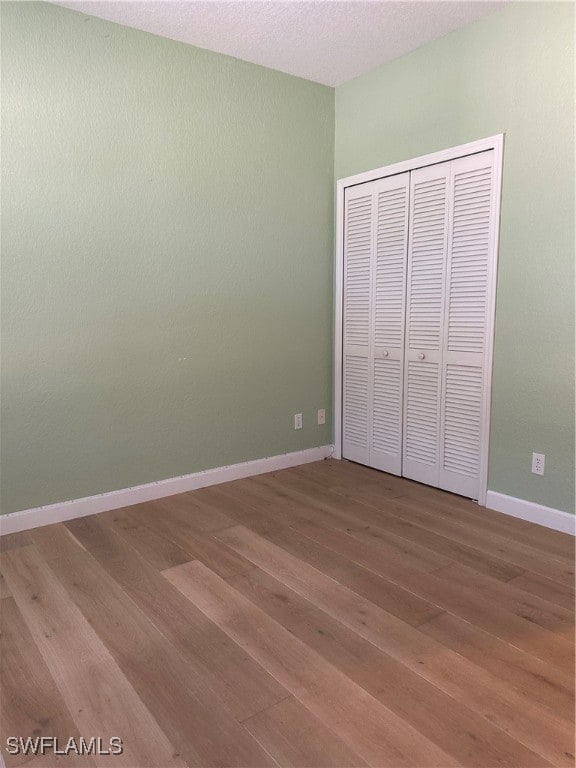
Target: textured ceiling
(328,41)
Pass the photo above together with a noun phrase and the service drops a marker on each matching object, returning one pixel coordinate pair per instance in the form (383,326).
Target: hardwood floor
(322,616)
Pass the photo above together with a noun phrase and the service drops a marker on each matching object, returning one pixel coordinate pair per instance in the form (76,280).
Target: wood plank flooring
(326,616)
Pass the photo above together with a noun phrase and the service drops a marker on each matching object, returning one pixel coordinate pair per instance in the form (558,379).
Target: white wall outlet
(321,416)
(297,421)
(538,460)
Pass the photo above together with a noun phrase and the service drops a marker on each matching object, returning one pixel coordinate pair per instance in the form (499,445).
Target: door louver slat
(389,308)
(427,234)
(357,274)
(356,399)
(358,245)
(468,277)
(390,268)
(387,430)
(421,434)
(463,409)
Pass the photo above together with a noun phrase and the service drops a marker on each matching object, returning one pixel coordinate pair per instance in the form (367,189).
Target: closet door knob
(385,354)
(421,356)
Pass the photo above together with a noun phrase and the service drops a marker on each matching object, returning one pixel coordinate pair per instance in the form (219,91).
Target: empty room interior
(287,393)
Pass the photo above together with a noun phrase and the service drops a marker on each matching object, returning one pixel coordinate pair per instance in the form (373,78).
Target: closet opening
(416,267)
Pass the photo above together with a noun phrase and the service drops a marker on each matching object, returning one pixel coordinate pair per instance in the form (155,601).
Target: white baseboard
(125,497)
(534,513)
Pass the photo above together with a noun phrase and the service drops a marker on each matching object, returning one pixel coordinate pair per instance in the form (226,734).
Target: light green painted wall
(167,257)
(511,72)
(133,341)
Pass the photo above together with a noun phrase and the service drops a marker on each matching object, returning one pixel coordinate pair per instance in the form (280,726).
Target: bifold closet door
(425,290)
(470,276)
(375,247)
(450,264)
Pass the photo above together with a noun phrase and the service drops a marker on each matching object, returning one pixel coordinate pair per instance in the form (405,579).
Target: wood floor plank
(14,541)
(176,689)
(369,728)
(374,488)
(540,586)
(477,689)
(537,680)
(491,545)
(454,509)
(4,588)
(397,600)
(236,508)
(452,594)
(314,508)
(458,730)
(30,705)
(333,474)
(100,699)
(343,514)
(544,539)
(513,599)
(371,486)
(529,668)
(277,506)
(190,508)
(291,500)
(344,474)
(547,539)
(296,738)
(393,530)
(544,542)
(494,545)
(376,485)
(198,546)
(47,760)
(236,679)
(426,514)
(157,550)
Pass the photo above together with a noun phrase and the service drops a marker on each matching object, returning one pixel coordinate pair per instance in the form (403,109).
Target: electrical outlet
(538,460)
(321,416)
(297,421)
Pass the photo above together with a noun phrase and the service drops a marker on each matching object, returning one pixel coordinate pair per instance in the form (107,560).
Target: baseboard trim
(15,522)
(534,513)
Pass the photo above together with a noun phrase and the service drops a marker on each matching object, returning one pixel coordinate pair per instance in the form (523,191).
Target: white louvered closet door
(375,242)
(425,290)
(358,248)
(419,270)
(450,267)
(469,268)
(389,296)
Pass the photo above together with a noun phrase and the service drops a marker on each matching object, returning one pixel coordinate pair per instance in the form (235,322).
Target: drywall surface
(167,257)
(511,72)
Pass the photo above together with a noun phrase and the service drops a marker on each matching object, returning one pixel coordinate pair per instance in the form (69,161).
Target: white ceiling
(328,41)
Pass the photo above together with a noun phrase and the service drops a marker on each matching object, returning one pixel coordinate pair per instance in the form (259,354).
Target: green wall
(167,257)
(511,72)
(167,244)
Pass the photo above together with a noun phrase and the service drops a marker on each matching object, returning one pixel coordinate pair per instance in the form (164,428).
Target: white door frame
(495,143)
